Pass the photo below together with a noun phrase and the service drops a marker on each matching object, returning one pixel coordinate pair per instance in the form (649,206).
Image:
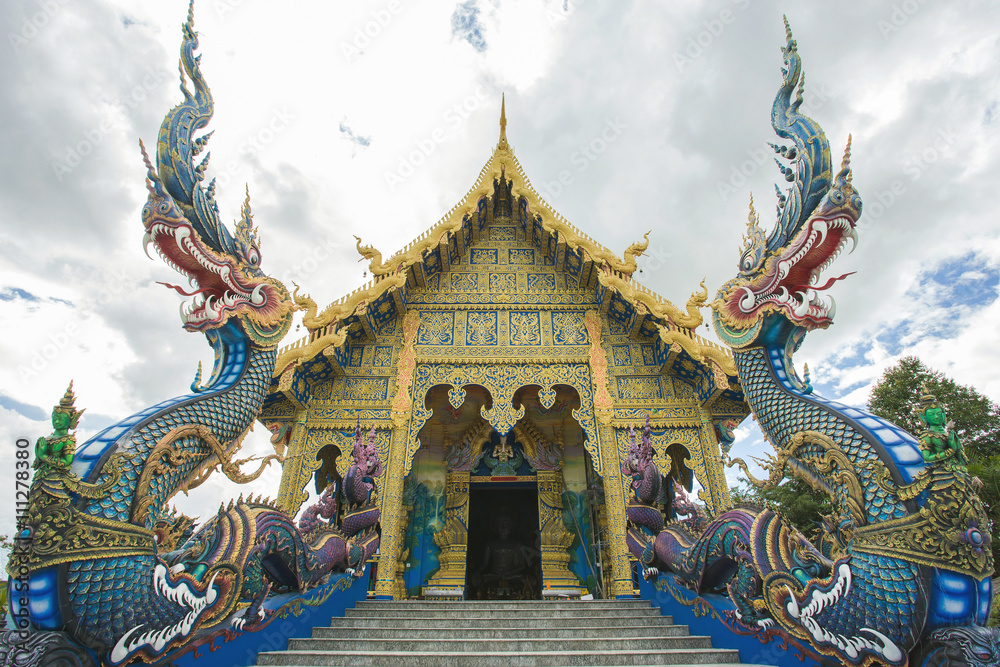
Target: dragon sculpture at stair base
(901,571)
(97,586)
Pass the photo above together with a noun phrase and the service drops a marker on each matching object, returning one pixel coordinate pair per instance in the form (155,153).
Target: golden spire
(503,123)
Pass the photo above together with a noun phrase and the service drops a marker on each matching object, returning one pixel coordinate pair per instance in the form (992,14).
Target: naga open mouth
(805,611)
(155,640)
(789,281)
(221,286)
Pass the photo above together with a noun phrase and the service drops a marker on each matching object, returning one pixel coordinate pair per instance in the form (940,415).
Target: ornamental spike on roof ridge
(677,325)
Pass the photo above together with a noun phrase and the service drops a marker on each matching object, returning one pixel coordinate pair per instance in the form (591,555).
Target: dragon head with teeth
(780,274)
(223,272)
(182,223)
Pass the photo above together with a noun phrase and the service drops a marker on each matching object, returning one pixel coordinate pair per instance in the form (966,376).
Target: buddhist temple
(502,358)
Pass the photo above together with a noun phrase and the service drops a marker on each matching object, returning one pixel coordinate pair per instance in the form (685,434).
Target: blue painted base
(383,597)
(289,615)
(712,615)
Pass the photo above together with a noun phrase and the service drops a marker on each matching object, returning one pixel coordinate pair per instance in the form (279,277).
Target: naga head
(181,220)
(781,273)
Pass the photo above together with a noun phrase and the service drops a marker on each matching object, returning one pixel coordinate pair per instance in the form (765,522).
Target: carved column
(294,475)
(715,490)
(399,593)
(614,503)
(556,577)
(453,539)
(614,494)
(392,515)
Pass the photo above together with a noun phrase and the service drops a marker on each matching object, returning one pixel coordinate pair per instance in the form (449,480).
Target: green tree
(803,506)
(897,395)
(977,421)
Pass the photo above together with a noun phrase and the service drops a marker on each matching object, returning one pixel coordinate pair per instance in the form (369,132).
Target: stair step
(510,645)
(505,604)
(499,658)
(534,612)
(627,633)
(489,632)
(480,622)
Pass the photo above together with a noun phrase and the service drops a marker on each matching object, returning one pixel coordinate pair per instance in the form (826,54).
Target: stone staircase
(501,634)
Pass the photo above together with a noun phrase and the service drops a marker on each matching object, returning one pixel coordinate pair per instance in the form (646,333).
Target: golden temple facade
(502,358)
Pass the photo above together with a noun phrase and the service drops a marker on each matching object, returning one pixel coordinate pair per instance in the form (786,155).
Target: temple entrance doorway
(504,557)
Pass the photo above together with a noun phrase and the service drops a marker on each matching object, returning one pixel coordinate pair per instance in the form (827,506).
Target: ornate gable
(501,277)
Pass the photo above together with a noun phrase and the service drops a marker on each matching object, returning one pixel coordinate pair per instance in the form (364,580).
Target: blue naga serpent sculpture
(901,572)
(87,545)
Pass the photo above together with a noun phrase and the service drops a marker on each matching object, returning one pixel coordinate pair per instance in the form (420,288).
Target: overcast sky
(375,118)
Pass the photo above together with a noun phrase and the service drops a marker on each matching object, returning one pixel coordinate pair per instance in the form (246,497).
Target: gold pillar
(555,539)
(715,490)
(399,593)
(294,475)
(614,504)
(391,515)
(449,582)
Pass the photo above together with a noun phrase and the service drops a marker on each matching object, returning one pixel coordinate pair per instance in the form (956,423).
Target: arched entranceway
(493,516)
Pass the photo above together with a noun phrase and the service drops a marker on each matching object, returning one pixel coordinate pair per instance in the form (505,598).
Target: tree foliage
(803,506)
(977,421)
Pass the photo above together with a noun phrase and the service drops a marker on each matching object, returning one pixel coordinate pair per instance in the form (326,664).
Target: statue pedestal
(449,582)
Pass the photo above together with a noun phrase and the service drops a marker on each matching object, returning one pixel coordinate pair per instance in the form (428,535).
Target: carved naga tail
(906,554)
(87,547)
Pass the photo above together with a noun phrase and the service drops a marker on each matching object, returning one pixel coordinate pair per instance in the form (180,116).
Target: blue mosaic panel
(382,356)
(432,262)
(521,256)
(640,389)
(525,328)
(357,354)
(568,328)
(366,389)
(481,328)
(541,282)
(503,282)
(483,256)
(574,260)
(648,355)
(436,328)
(620,310)
(501,233)
(621,355)
(382,311)
(465,282)
(648,328)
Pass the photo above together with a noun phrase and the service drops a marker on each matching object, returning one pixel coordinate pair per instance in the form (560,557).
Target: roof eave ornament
(502,145)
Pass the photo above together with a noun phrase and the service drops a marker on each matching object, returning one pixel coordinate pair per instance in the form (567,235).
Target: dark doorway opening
(504,562)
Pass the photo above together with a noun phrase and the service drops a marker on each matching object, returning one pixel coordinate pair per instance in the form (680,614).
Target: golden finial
(503,122)
(67,406)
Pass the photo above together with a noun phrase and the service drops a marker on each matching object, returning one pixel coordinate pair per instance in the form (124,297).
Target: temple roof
(353,317)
